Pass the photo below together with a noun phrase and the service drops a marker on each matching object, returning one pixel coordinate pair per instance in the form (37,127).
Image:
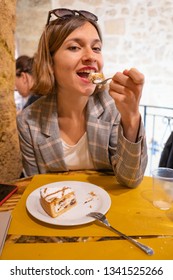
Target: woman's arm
(126,90)
(129,159)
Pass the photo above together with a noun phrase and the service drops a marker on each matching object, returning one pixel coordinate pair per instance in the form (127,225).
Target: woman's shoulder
(41,106)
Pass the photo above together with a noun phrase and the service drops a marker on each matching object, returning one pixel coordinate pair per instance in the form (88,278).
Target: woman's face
(79,55)
(22,84)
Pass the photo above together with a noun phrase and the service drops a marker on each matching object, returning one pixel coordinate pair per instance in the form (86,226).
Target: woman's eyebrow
(79,40)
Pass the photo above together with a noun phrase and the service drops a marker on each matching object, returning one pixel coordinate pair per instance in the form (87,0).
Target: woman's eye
(97,49)
(73,48)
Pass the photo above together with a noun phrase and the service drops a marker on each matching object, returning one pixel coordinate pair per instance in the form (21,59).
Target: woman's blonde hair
(51,40)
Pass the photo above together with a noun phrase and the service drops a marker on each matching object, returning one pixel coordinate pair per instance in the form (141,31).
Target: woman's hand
(126,90)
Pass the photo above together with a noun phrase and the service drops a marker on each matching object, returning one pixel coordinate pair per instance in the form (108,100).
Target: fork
(100,81)
(102,218)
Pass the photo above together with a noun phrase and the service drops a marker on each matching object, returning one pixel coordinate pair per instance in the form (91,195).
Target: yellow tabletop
(101,250)
(131,212)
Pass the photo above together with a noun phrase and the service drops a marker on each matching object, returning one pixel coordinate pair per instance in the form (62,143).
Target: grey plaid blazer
(42,150)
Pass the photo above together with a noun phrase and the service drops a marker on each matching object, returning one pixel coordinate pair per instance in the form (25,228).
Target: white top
(78,156)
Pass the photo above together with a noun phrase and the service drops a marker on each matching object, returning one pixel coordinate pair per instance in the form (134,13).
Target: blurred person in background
(24,79)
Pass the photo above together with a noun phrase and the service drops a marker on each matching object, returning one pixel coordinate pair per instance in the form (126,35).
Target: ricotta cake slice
(56,201)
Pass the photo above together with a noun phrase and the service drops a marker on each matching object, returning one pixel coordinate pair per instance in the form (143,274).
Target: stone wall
(136,33)
(10,162)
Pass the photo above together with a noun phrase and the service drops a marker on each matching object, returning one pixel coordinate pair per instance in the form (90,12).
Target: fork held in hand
(102,218)
(101,82)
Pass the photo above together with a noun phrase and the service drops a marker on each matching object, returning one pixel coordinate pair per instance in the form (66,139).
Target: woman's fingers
(135,75)
(127,81)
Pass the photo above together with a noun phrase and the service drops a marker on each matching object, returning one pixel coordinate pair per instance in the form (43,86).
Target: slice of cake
(96,77)
(56,201)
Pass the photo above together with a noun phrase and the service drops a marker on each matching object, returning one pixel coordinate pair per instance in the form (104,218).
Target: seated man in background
(166,159)
(24,79)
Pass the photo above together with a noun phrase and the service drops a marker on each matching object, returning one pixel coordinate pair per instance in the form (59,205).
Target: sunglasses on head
(67,13)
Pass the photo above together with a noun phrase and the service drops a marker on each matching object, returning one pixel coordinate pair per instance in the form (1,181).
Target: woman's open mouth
(85,74)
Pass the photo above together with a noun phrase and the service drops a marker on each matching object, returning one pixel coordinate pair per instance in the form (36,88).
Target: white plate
(86,203)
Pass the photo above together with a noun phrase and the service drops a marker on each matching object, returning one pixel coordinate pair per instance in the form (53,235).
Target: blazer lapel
(50,143)
(98,131)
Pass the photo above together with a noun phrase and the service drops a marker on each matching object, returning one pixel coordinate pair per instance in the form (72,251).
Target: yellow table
(131,212)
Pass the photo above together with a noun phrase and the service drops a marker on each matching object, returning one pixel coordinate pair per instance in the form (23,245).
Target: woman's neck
(71,107)
(71,118)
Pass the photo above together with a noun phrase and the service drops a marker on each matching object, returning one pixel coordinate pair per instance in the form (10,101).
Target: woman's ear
(24,77)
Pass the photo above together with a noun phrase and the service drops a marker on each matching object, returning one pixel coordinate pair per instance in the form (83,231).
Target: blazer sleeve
(129,160)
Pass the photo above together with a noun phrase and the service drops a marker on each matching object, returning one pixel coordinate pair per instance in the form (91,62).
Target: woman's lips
(84,77)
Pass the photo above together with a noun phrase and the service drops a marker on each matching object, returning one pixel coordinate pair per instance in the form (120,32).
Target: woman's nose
(89,56)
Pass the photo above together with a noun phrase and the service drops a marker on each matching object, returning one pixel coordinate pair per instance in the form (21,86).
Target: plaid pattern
(42,150)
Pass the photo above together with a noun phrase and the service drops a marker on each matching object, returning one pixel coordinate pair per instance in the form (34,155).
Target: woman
(76,125)
(24,79)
